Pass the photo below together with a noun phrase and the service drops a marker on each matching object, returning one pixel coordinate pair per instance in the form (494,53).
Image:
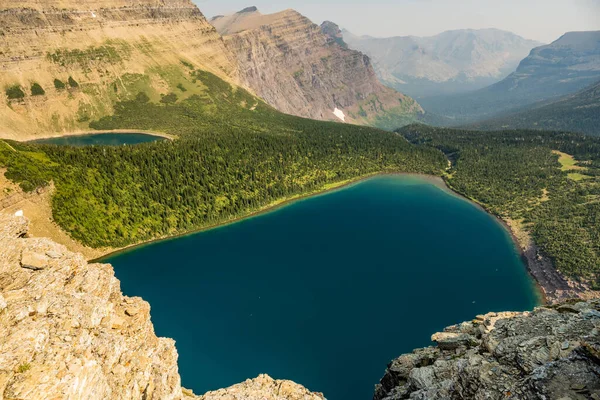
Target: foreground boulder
(550,353)
(67,332)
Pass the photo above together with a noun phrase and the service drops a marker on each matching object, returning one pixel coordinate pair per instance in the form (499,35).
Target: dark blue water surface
(328,290)
(101,139)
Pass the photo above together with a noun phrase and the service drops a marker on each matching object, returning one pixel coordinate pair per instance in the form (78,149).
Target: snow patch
(340,114)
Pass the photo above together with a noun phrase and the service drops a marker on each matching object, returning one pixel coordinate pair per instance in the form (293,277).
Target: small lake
(326,291)
(101,139)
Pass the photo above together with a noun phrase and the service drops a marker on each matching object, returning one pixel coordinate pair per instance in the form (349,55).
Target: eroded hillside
(65,63)
(288,61)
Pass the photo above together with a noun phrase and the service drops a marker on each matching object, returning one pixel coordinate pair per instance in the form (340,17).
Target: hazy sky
(543,20)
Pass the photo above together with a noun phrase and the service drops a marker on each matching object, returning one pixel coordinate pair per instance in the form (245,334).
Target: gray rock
(550,353)
(452,340)
(422,378)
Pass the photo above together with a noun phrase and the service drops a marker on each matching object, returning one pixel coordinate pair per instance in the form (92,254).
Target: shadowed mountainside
(579,112)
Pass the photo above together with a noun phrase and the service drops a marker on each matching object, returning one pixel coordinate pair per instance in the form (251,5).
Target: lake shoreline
(32,138)
(550,285)
(263,210)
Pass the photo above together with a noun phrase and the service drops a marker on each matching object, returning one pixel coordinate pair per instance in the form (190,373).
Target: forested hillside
(234,155)
(530,177)
(577,113)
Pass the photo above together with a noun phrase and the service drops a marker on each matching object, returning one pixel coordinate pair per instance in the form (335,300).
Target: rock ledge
(550,353)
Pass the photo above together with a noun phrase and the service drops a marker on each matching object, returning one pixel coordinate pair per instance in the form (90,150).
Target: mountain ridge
(579,112)
(563,67)
(89,56)
(296,67)
(451,61)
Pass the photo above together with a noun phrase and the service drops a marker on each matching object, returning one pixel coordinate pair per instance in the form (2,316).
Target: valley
(291,284)
(579,112)
(270,186)
(566,66)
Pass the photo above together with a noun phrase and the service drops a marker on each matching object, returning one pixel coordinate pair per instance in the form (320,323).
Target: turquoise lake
(101,139)
(328,290)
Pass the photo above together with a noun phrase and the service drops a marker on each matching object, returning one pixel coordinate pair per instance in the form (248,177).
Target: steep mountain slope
(566,66)
(288,61)
(579,112)
(451,62)
(111,50)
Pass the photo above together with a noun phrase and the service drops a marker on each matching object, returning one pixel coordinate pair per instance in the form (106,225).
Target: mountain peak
(333,32)
(250,18)
(579,40)
(248,10)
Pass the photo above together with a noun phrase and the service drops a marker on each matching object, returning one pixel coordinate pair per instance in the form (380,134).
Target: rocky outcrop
(113,49)
(263,388)
(550,353)
(67,332)
(297,68)
(333,31)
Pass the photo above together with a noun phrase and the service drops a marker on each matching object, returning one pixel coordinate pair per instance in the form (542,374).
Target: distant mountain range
(451,62)
(564,67)
(578,112)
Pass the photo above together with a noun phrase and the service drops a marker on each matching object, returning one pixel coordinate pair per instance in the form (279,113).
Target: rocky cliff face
(288,61)
(112,50)
(550,353)
(451,62)
(67,332)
